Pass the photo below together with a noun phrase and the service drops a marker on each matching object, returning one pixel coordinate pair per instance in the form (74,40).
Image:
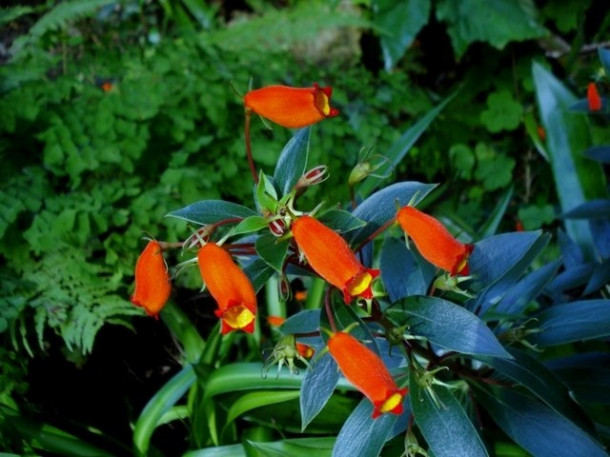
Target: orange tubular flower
(305,350)
(595,101)
(291,107)
(331,257)
(367,372)
(153,284)
(230,287)
(434,242)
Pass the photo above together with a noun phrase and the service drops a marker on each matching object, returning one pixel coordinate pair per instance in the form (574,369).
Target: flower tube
(367,372)
(291,107)
(230,287)
(434,242)
(593,98)
(331,257)
(153,285)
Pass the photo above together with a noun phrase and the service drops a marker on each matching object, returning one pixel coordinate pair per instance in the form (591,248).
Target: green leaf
(249,225)
(254,400)
(381,207)
(232,450)
(493,170)
(292,163)
(185,332)
(306,321)
(212,211)
(446,324)
(599,153)
(469,21)
(527,421)
(534,216)
(318,385)
(363,436)
(576,178)
(492,223)
(266,195)
(446,427)
(272,251)
(570,322)
(341,221)
(296,447)
(503,112)
(402,146)
(463,159)
(399,23)
(259,272)
(158,405)
(594,209)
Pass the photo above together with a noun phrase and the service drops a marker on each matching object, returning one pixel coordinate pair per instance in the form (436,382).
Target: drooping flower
(331,257)
(593,98)
(434,242)
(367,372)
(291,107)
(230,287)
(153,285)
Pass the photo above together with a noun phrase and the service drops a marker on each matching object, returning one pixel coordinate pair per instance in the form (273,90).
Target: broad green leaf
(250,224)
(594,209)
(575,321)
(398,23)
(469,21)
(341,221)
(296,447)
(363,436)
(212,211)
(317,387)
(402,146)
(503,112)
(272,251)
(232,450)
(536,427)
(446,324)
(445,426)
(576,178)
(259,272)
(599,153)
(534,216)
(381,207)
(542,382)
(306,321)
(158,405)
(254,400)
(401,273)
(492,223)
(292,162)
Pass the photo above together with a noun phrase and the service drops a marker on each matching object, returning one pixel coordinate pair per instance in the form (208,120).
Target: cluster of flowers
(324,251)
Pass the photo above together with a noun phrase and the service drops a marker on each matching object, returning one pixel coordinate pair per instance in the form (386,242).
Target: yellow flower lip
(238,316)
(359,283)
(391,403)
(322,102)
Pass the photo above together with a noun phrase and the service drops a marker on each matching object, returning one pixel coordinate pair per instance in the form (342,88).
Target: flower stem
(329,310)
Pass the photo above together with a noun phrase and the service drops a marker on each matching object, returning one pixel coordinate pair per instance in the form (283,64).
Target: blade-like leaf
(570,279)
(594,209)
(402,146)
(249,225)
(536,427)
(254,400)
(184,330)
(318,385)
(575,321)
(493,221)
(232,450)
(599,153)
(380,207)
(446,427)
(446,324)
(307,321)
(299,447)
(576,178)
(599,278)
(292,162)
(259,272)
(212,211)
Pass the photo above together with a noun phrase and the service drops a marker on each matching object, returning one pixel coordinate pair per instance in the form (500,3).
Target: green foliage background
(88,172)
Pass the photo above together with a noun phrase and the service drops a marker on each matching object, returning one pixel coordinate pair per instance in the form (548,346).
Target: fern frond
(10,14)
(66,12)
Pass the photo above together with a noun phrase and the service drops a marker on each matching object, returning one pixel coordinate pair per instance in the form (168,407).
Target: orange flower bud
(305,350)
(275,321)
(367,372)
(291,107)
(434,242)
(153,284)
(331,257)
(595,101)
(230,287)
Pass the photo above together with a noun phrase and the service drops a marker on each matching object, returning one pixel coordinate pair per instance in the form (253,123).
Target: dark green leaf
(587,375)
(266,195)
(402,146)
(272,251)
(306,321)
(599,278)
(576,178)
(599,153)
(575,321)
(446,324)
(536,427)
(341,221)
(254,400)
(318,385)
(296,447)
(503,112)
(446,427)
(401,273)
(601,237)
(212,211)
(571,278)
(232,450)
(399,23)
(259,272)
(594,209)
(361,435)
(381,207)
(184,331)
(469,21)
(292,162)
(490,226)
(604,58)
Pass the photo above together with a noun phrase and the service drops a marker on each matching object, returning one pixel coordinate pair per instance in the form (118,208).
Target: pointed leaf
(306,321)
(318,385)
(292,162)
(536,427)
(599,278)
(601,236)
(594,209)
(493,221)
(446,324)
(272,251)
(254,400)
(259,272)
(575,321)
(446,427)
(341,221)
(250,224)
(212,211)
(296,447)
(231,450)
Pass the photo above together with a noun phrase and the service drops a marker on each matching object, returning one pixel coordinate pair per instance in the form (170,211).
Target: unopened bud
(312,177)
(359,173)
(199,237)
(277,227)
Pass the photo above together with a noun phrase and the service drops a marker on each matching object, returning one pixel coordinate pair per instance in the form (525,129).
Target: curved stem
(376,233)
(249,147)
